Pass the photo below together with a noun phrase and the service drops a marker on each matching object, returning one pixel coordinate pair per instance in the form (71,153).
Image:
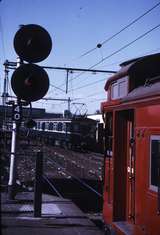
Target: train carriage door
(124,162)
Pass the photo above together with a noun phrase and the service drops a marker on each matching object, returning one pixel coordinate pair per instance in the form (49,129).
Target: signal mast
(29,82)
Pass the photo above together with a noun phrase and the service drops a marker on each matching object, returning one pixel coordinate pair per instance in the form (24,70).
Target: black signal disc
(32,43)
(30,82)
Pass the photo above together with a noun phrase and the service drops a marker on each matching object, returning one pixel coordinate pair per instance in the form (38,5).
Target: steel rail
(52,185)
(78,179)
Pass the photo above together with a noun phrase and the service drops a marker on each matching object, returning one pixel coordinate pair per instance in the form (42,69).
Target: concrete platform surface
(59,217)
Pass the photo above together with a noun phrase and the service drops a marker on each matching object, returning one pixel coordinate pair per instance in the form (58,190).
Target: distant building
(6,114)
(97,117)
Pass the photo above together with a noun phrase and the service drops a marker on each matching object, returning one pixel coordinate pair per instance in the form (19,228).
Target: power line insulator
(99,45)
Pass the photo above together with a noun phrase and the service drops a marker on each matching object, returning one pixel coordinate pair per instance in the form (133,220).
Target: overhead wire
(99,45)
(113,36)
(89,84)
(100,99)
(125,46)
(139,55)
(58,88)
(97,93)
(95,99)
(115,52)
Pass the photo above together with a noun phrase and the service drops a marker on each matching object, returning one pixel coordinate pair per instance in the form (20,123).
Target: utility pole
(69,104)
(67,81)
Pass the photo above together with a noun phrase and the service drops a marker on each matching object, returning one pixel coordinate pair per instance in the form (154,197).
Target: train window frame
(38,126)
(152,186)
(47,126)
(119,88)
(54,126)
(43,126)
(59,126)
(50,126)
(64,127)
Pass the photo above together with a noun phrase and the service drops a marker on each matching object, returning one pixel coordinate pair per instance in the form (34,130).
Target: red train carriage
(132,148)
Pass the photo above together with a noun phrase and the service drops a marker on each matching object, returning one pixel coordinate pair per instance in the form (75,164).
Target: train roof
(148,66)
(143,92)
(138,58)
(62,119)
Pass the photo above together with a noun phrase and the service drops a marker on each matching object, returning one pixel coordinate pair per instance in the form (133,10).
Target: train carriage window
(59,126)
(54,126)
(119,88)
(50,126)
(64,126)
(38,126)
(154,161)
(108,134)
(43,126)
(114,90)
(47,125)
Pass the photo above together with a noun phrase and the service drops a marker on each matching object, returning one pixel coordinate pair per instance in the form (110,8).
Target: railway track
(87,194)
(74,177)
(84,165)
(67,173)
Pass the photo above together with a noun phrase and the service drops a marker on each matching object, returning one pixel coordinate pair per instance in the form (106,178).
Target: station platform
(59,217)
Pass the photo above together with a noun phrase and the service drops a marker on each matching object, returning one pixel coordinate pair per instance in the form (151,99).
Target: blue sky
(75,27)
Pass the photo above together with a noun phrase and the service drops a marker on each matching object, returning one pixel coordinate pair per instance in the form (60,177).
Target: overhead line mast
(79,69)
(11,65)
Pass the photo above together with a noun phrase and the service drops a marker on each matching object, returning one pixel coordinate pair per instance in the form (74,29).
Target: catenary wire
(114,35)
(117,51)
(58,88)
(139,55)
(121,30)
(89,84)
(125,46)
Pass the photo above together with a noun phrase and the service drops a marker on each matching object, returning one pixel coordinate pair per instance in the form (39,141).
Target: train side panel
(147,131)
(132,148)
(108,191)
(130,200)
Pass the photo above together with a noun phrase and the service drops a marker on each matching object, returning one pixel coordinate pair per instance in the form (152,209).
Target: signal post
(29,82)
(16,117)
